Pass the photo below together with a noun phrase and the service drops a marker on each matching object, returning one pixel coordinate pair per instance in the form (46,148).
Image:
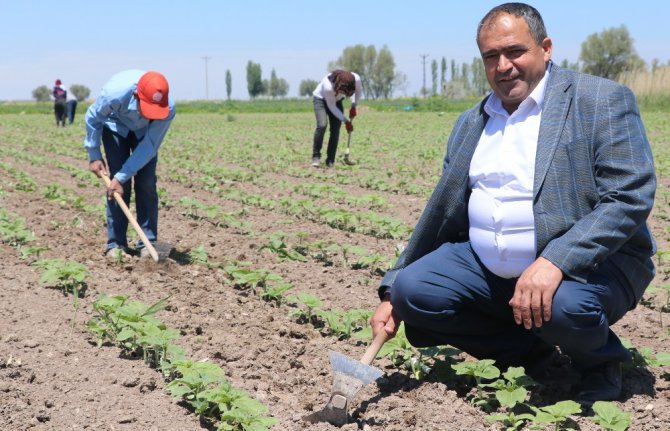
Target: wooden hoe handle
(373,348)
(131,219)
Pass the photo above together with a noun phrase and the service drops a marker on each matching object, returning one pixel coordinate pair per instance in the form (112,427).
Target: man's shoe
(316,162)
(329,164)
(602,383)
(540,359)
(118,253)
(144,252)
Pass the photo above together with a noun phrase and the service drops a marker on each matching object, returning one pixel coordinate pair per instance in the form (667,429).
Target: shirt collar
(494,105)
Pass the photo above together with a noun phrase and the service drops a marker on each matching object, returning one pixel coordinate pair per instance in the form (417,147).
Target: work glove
(349,126)
(352,112)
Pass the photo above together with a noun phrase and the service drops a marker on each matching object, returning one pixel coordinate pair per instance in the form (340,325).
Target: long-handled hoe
(347,161)
(155,255)
(349,376)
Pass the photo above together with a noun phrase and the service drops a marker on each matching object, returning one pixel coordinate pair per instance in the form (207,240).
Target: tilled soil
(53,377)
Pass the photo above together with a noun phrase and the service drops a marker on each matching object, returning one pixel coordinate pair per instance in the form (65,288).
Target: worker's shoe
(144,252)
(329,164)
(602,383)
(316,162)
(118,253)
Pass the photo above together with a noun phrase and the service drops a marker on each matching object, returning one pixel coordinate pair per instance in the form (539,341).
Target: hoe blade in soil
(349,376)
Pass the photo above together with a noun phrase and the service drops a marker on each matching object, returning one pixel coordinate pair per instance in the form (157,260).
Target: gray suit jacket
(593,189)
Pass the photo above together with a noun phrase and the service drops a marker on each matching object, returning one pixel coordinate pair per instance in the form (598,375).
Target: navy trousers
(449,297)
(117,150)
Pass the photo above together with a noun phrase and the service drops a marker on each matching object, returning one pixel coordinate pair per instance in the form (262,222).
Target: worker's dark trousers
(449,297)
(323,117)
(118,149)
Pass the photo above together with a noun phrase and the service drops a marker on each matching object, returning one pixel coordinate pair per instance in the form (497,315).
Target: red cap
(58,82)
(152,90)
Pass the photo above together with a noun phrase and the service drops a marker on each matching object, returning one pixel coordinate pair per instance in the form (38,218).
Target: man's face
(513,61)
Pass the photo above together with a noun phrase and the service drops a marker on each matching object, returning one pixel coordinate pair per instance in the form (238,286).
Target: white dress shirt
(500,210)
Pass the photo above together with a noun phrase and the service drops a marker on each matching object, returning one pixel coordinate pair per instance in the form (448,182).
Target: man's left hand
(534,292)
(114,187)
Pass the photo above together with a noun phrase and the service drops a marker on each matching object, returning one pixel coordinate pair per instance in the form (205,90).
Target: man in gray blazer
(535,235)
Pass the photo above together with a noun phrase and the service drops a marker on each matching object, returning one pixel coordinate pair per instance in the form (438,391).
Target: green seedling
(154,341)
(116,319)
(279,247)
(234,408)
(246,414)
(663,359)
(196,376)
(308,306)
(642,357)
(510,420)
(164,198)
(556,414)
(13,231)
(397,349)
(199,256)
(252,279)
(512,389)
(420,366)
(347,250)
(377,263)
(32,250)
(118,256)
(275,292)
(66,275)
(479,370)
(665,308)
(343,324)
(322,254)
(610,417)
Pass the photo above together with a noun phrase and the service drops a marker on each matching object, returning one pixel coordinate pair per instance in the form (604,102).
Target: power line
(206,78)
(423,60)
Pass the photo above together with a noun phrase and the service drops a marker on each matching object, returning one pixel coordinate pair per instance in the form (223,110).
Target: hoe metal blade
(349,376)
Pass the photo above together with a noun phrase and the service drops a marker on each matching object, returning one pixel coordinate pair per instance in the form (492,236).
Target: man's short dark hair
(520,10)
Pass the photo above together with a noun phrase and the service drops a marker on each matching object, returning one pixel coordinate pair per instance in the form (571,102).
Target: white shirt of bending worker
(325,91)
(502,225)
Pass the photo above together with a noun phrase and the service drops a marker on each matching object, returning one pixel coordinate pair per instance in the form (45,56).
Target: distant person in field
(70,105)
(60,95)
(130,118)
(328,108)
(535,236)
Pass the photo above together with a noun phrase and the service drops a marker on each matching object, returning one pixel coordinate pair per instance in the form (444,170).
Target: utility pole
(423,60)
(206,78)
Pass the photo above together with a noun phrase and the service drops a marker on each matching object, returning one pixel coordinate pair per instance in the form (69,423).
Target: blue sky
(85,42)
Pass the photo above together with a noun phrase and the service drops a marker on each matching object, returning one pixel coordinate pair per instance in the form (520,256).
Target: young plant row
(511,395)
(133,327)
(507,393)
(369,223)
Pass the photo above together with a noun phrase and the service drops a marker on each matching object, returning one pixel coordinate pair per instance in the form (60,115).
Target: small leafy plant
(308,306)
(66,275)
(610,417)
(479,370)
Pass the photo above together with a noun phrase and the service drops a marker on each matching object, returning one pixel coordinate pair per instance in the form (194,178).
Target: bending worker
(328,108)
(130,117)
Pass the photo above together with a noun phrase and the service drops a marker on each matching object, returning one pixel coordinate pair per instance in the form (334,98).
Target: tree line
(610,54)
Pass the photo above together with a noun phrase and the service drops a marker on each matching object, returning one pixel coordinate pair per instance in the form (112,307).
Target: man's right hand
(349,126)
(385,319)
(97,167)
